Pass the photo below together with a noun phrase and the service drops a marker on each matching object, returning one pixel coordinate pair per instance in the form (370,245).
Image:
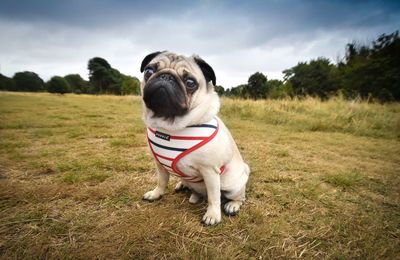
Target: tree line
(367,71)
(103,79)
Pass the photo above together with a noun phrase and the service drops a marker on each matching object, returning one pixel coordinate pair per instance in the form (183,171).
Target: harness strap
(204,140)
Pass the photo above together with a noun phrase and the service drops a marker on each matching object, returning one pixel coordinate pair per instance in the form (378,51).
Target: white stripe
(205,132)
(165,152)
(185,144)
(194,131)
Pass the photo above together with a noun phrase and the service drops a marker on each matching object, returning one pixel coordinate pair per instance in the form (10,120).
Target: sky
(237,38)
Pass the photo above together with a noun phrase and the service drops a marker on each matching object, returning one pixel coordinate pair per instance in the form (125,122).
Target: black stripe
(165,165)
(204,125)
(168,148)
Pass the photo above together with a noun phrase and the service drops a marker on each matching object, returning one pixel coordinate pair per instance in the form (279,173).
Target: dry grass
(73,169)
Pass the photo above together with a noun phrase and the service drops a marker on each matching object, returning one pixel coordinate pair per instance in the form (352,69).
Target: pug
(187,138)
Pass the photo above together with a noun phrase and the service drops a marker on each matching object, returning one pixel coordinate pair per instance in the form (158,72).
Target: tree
(238,91)
(373,70)
(220,90)
(114,82)
(98,73)
(6,83)
(77,84)
(257,86)
(278,90)
(130,86)
(103,78)
(318,78)
(57,85)
(28,81)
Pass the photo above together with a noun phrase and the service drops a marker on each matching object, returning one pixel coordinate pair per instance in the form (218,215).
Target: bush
(130,86)
(77,84)
(28,81)
(58,85)
(6,83)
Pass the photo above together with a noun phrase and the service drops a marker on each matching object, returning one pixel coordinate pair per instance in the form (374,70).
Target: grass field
(325,182)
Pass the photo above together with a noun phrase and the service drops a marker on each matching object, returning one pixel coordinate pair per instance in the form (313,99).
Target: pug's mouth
(165,97)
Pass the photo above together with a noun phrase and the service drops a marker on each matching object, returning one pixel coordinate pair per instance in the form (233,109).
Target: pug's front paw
(212,216)
(153,195)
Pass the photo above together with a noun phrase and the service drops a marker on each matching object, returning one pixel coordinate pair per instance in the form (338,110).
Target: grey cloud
(236,37)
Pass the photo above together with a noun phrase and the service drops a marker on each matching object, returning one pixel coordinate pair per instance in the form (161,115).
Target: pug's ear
(148,58)
(207,70)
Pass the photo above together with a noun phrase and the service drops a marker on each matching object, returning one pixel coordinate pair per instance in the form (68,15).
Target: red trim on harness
(204,141)
(180,156)
(155,155)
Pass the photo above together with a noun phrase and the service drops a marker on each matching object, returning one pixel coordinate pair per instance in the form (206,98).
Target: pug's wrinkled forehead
(181,65)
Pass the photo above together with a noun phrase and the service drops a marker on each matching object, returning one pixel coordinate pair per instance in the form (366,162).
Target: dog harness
(170,147)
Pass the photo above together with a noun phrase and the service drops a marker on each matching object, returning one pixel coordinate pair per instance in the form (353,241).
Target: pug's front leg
(163,177)
(213,186)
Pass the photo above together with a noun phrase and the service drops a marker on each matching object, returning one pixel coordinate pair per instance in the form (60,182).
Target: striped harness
(170,147)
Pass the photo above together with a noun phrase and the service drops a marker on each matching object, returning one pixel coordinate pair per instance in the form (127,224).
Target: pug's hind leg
(195,198)
(163,177)
(180,186)
(232,207)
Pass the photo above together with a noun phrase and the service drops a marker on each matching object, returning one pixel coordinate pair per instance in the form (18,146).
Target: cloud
(237,38)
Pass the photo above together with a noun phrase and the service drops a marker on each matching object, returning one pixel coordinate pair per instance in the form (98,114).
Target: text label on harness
(163,136)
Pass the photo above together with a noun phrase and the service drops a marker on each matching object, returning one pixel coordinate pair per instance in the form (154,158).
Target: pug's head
(175,86)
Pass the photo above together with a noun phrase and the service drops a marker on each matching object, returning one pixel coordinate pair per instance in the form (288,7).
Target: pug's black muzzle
(165,97)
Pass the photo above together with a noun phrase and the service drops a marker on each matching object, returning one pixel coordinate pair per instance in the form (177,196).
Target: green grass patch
(75,133)
(345,179)
(362,119)
(324,182)
(120,142)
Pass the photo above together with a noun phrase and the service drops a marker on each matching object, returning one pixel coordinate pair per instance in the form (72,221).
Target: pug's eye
(148,72)
(191,83)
